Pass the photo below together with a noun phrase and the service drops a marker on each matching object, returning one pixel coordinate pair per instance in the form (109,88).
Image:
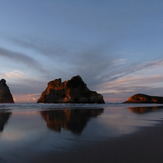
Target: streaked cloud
(89,62)
(14,74)
(26,98)
(21,58)
(96,65)
(131,68)
(54,49)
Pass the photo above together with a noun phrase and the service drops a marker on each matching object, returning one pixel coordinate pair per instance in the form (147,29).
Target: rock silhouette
(74,120)
(142,98)
(5,94)
(70,91)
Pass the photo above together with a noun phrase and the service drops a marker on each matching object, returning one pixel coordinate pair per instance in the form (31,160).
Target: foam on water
(68,105)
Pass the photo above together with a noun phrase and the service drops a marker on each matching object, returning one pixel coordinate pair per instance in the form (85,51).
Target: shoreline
(144,145)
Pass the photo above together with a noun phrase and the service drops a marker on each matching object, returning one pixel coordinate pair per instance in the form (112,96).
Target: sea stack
(70,91)
(143,98)
(5,94)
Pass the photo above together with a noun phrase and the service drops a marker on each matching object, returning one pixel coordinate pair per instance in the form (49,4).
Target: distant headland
(143,98)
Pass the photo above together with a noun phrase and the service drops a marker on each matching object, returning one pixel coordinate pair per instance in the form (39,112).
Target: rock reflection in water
(145,109)
(74,120)
(4,116)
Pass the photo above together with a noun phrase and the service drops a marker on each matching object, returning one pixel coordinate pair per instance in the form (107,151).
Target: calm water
(32,129)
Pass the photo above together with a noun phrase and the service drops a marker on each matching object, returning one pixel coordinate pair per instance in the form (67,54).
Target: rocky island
(70,91)
(5,94)
(143,98)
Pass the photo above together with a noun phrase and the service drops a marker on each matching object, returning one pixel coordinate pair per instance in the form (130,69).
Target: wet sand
(143,146)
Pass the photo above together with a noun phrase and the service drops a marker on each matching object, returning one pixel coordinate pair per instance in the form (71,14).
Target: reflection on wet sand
(145,109)
(4,116)
(74,120)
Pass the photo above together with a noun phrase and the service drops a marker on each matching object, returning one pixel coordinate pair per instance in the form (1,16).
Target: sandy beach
(144,146)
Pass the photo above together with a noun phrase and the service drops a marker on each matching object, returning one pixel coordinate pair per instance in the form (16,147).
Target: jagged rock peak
(70,91)
(5,94)
(2,82)
(143,98)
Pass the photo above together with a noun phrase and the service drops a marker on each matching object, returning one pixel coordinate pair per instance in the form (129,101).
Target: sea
(32,129)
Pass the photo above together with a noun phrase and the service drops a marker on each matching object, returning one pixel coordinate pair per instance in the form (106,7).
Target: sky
(114,45)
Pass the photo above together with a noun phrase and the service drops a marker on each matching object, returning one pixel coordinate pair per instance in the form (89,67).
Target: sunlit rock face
(68,119)
(70,91)
(5,94)
(142,98)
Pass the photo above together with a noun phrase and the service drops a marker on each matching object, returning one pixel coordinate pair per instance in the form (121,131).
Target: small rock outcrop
(142,98)
(70,91)
(5,94)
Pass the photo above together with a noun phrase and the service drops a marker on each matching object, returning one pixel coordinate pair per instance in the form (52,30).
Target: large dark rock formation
(142,98)
(5,94)
(70,91)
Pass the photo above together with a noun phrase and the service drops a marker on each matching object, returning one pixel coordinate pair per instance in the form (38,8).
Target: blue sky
(114,45)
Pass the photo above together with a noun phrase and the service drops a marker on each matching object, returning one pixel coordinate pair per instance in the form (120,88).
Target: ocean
(29,130)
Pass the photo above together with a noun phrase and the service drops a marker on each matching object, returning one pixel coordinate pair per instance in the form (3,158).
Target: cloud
(137,80)
(131,68)
(14,74)
(28,86)
(95,64)
(89,62)
(26,98)
(42,47)
(21,58)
